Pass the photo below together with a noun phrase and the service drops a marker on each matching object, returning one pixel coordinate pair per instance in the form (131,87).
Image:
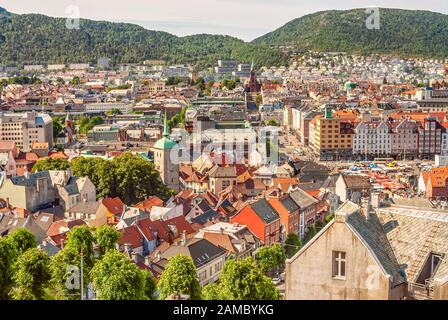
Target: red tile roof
(147,204)
(114,205)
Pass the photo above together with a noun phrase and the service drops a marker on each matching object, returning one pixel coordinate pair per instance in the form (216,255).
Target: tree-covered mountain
(34,38)
(402,32)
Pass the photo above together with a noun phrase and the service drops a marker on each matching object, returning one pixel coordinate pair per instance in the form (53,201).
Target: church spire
(166,131)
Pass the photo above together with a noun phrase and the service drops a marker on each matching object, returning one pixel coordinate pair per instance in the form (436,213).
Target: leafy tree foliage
(8,257)
(242,280)
(51,164)
(32,275)
(87,124)
(127,176)
(270,258)
(272,122)
(180,277)
(115,277)
(50,41)
(212,291)
(150,284)
(22,240)
(292,245)
(106,238)
(57,126)
(172,81)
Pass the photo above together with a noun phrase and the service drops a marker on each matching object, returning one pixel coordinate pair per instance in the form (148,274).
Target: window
(339,264)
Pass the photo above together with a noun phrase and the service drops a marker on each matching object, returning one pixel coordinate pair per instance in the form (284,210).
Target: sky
(245,19)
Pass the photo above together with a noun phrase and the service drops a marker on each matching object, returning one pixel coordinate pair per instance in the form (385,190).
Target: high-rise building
(26,128)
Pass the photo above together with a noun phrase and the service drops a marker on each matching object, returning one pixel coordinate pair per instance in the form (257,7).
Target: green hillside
(33,38)
(402,32)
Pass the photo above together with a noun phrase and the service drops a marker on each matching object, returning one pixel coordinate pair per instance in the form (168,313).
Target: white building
(107,107)
(372,138)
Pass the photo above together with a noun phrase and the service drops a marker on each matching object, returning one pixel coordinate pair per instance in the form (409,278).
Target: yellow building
(331,136)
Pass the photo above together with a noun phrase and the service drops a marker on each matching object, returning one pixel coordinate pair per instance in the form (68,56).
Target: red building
(261,219)
(253,85)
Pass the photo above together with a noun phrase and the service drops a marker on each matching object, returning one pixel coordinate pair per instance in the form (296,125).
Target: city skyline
(245,20)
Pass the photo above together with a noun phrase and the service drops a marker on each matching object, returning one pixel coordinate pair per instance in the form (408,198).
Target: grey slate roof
(372,233)
(23,181)
(203,251)
(90,207)
(289,204)
(264,210)
(413,234)
(302,199)
(210,215)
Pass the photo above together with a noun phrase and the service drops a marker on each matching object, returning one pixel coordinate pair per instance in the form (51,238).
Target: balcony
(419,291)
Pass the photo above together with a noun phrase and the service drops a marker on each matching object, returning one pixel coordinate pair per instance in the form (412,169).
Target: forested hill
(38,39)
(403,32)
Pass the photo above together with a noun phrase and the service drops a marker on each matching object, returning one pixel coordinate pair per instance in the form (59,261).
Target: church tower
(168,168)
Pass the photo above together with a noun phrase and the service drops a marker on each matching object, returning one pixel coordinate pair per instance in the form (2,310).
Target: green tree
(106,238)
(114,111)
(8,258)
(115,277)
(272,122)
(270,258)
(60,272)
(136,178)
(57,127)
(51,164)
(32,275)
(243,280)
(150,284)
(292,245)
(22,240)
(329,218)
(81,239)
(179,277)
(75,81)
(212,291)
(88,167)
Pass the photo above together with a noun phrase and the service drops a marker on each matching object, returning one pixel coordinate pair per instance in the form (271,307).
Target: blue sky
(245,19)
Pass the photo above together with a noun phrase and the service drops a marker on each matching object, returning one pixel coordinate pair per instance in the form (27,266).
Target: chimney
(127,247)
(222,230)
(134,257)
(184,238)
(148,261)
(159,256)
(7,203)
(62,243)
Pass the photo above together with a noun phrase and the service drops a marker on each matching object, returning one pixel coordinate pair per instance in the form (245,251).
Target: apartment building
(26,128)
(331,136)
(372,138)
(430,138)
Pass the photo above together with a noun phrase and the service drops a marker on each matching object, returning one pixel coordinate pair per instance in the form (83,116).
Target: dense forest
(38,39)
(402,32)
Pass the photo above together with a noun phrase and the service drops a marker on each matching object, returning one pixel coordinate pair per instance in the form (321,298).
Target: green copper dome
(165,142)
